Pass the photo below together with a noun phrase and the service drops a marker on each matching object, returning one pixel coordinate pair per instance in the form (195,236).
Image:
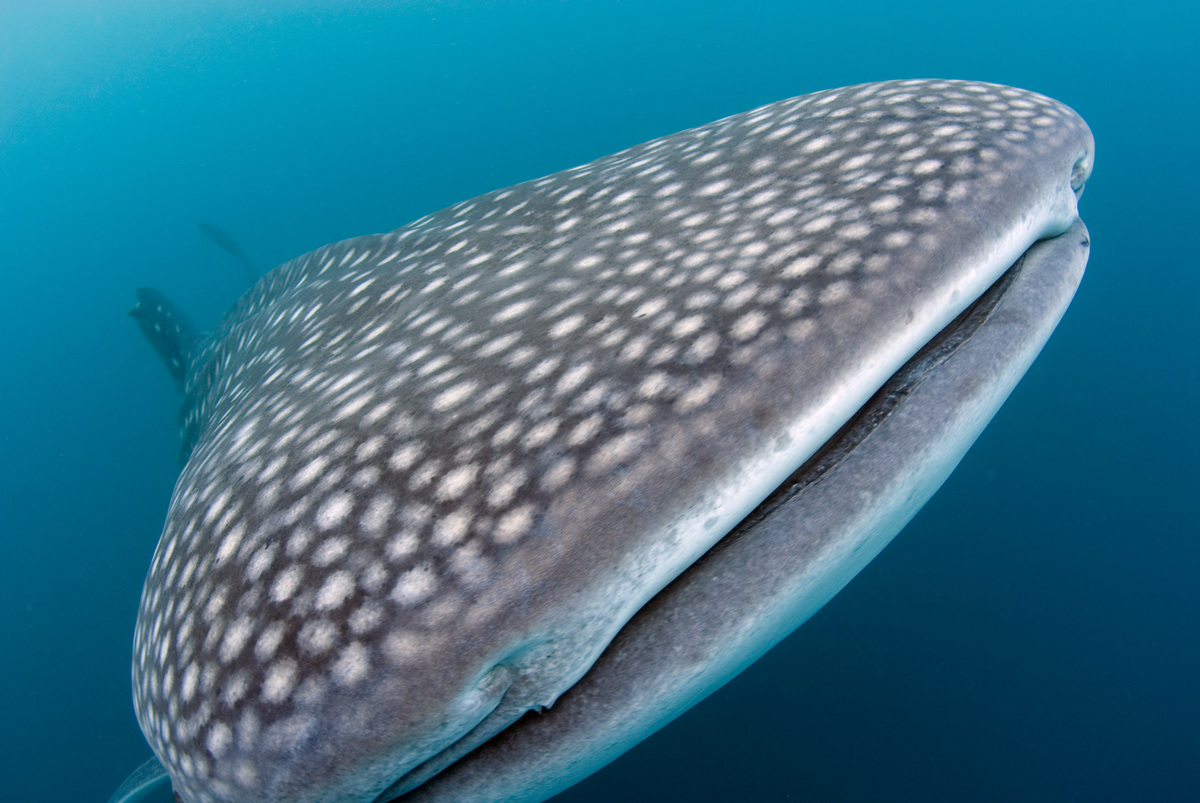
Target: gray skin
(431,474)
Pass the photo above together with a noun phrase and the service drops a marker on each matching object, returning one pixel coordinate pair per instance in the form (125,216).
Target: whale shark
(472,507)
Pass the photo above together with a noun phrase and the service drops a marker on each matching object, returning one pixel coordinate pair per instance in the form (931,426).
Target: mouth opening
(881,405)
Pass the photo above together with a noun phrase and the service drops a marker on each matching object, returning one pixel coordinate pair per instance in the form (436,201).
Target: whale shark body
(472,507)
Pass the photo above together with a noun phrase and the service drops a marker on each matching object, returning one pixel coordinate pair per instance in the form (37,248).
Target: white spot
(414,585)
(268,642)
(635,348)
(365,478)
(299,540)
(540,434)
(801,266)
(260,563)
(235,689)
(286,583)
(514,524)
(366,618)
(650,308)
(305,476)
(704,347)
(819,224)
(375,519)
(844,263)
(558,474)
(428,473)
(782,216)
(235,639)
(573,378)
(700,394)
(923,216)
(244,771)
(217,506)
(402,545)
(468,564)
(219,739)
(191,676)
(616,450)
(279,681)
(688,326)
(317,635)
(351,407)
(335,590)
(926,167)
(566,326)
(352,665)
(373,577)
(653,385)
(369,448)
(838,291)
(454,396)
(514,310)
(402,647)
(740,297)
(817,144)
(542,370)
(230,543)
(715,188)
(451,528)
(854,231)
(503,491)
(500,344)
(333,511)
(457,482)
(330,550)
(405,456)
(585,430)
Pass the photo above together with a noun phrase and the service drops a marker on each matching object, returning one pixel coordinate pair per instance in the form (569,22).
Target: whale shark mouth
(890,398)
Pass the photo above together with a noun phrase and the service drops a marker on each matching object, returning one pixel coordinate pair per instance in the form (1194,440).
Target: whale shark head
(432,473)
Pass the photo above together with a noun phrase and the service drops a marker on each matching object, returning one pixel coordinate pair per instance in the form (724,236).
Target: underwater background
(1033,634)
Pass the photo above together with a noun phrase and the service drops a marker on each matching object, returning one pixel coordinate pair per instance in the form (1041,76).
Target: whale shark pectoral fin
(149,783)
(227,243)
(168,330)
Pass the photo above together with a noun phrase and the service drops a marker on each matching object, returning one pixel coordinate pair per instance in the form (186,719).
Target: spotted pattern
(403,444)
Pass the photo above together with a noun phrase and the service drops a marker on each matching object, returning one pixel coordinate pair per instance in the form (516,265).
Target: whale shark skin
(432,474)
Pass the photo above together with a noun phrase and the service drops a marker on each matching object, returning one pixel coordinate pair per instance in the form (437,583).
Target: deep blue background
(1034,634)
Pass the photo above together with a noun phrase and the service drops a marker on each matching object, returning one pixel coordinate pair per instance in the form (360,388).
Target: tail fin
(168,330)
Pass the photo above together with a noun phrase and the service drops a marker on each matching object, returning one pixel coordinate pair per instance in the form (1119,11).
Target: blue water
(1034,634)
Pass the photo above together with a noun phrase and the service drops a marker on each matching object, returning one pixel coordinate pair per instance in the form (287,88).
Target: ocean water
(1034,634)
